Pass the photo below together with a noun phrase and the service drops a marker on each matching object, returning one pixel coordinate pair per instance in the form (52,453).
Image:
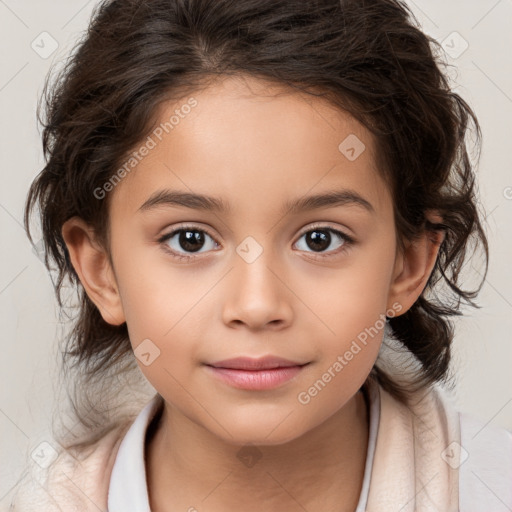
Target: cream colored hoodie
(428,458)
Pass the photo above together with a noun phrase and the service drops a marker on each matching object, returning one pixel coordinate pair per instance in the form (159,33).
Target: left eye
(320,239)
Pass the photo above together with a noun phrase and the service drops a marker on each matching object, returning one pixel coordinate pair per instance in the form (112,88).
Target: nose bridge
(256,295)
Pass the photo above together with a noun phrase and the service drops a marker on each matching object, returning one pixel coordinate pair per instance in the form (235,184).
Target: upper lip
(250,363)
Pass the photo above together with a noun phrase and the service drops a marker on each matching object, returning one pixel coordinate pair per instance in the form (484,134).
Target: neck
(189,468)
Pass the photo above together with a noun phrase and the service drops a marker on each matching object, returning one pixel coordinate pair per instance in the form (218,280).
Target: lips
(249,363)
(253,374)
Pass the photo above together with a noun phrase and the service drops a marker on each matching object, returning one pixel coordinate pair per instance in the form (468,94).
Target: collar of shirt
(128,490)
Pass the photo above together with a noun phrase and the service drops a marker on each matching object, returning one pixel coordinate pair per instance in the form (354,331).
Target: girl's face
(250,274)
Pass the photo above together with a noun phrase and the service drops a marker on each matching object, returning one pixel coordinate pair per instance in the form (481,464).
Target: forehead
(254,144)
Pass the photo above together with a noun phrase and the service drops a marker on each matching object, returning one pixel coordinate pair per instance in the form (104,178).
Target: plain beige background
(477,37)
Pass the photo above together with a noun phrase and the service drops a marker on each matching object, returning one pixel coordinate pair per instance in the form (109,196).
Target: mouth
(251,363)
(256,373)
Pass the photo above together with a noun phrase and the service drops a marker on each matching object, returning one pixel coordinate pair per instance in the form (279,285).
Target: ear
(92,265)
(414,265)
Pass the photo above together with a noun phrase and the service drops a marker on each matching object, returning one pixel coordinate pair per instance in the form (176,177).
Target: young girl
(265,206)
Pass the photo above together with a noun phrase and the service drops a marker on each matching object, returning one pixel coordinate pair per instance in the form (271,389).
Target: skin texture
(255,146)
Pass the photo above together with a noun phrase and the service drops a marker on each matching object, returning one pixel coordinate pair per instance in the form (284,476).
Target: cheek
(162,307)
(355,318)
(350,312)
(345,302)
(356,322)
(156,295)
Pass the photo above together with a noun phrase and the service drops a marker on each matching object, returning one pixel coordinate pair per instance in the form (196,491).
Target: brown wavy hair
(369,58)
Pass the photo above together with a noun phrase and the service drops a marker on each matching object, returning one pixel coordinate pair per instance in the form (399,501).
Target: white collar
(128,490)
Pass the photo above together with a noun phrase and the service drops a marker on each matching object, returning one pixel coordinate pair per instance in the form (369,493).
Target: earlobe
(93,268)
(413,268)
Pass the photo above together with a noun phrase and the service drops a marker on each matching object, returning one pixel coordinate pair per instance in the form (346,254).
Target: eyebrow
(332,198)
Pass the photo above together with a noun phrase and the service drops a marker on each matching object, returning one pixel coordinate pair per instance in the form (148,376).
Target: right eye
(185,241)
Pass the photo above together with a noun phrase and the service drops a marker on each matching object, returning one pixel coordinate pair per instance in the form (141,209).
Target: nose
(257,296)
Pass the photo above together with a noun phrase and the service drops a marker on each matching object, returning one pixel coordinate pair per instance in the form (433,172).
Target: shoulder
(488,447)
(485,465)
(481,452)
(77,480)
(469,459)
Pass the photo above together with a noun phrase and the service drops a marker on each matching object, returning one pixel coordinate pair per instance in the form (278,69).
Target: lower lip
(256,379)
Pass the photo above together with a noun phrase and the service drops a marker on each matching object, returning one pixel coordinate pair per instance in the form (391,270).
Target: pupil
(188,240)
(320,240)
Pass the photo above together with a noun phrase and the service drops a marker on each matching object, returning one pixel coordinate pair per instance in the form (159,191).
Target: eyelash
(347,240)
